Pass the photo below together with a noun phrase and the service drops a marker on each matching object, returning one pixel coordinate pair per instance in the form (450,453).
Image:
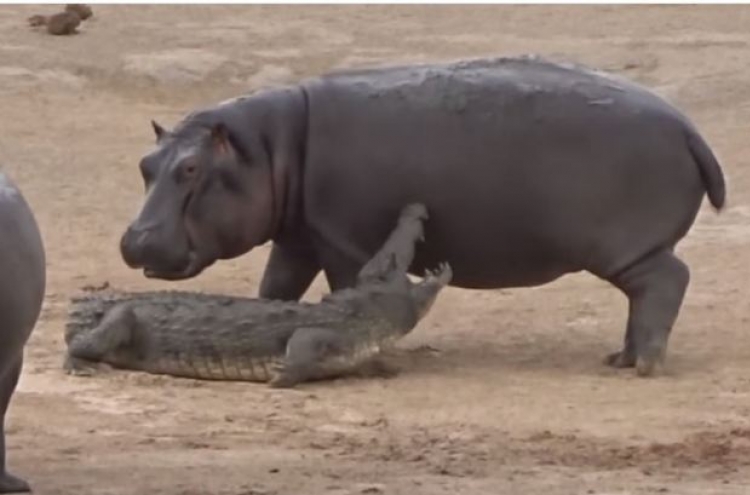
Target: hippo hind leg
(8,381)
(655,287)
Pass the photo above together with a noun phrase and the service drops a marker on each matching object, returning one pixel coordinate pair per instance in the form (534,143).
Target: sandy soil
(516,402)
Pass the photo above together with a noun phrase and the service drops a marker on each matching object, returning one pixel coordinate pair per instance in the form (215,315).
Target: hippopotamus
(531,169)
(22,286)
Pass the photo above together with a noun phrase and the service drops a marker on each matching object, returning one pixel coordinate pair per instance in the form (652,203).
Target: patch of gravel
(270,75)
(13,77)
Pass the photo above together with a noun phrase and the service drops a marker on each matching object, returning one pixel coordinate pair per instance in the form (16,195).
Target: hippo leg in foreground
(530,169)
(22,285)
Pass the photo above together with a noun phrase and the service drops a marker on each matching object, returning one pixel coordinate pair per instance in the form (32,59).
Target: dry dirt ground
(516,402)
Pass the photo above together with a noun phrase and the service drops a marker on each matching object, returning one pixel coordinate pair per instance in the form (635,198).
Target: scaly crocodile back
(87,310)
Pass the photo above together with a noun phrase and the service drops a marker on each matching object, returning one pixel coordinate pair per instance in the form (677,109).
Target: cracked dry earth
(515,402)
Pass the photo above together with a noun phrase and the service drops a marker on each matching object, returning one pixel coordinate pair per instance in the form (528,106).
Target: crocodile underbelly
(256,369)
(352,360)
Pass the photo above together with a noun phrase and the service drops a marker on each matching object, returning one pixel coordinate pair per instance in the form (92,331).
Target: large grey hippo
(22,285)
(530,169)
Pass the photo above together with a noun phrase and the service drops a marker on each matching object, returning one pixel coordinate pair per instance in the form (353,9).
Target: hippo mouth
(194,264)
(194,267)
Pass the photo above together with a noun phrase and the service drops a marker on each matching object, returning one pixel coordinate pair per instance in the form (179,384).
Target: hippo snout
(148,249)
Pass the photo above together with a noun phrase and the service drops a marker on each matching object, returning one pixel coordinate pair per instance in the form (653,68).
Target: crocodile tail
(710,170)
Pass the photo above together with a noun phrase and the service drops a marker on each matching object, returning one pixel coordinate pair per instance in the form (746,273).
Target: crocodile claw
(443,273)
(80,367)
(416,210)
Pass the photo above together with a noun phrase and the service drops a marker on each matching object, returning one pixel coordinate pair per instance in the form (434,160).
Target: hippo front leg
(340,270)
(289,272)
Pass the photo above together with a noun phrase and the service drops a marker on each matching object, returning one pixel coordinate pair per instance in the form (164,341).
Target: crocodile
(222,337)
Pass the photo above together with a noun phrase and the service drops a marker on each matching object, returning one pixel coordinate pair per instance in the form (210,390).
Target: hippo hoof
(651,360)
(11,484)
(648,367)
(620,359)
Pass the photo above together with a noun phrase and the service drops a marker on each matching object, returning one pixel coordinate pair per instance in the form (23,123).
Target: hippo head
(206,199)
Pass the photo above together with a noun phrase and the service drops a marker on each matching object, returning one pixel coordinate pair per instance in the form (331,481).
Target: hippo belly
(529,170)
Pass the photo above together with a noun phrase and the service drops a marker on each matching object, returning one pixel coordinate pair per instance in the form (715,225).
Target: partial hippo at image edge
(22,286)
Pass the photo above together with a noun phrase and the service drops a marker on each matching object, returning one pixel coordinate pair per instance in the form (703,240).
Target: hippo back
(530,169)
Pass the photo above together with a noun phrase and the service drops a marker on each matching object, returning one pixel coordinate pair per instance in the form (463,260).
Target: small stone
(372,489)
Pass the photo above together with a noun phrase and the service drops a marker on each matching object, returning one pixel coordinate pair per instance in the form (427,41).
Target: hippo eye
(188,171)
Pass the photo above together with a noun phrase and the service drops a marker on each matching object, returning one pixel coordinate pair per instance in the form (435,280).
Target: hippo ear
(220,138)
(158,130)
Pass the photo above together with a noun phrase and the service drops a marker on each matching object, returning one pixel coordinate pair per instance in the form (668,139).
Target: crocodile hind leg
(320,353)
(306,351)
(87,348)
(397,253)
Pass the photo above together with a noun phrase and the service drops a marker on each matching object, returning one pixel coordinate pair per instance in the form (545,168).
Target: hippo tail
(710,170)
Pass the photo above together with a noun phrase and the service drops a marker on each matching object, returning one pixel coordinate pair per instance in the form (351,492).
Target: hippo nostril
(141,237)
(137,238)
